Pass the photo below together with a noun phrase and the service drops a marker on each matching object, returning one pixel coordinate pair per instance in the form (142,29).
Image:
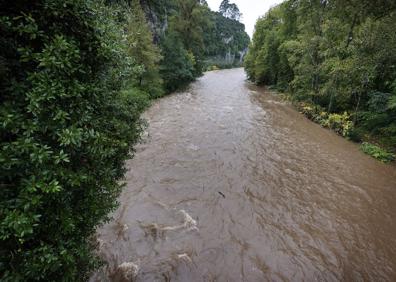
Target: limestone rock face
(157,16)
(226,41)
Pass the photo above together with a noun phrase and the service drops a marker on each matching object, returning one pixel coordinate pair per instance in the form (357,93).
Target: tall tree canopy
(230,10)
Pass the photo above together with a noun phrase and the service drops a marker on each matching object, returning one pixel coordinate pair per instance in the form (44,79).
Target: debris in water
(157,231)
(189,222)
(126,271)
(121,229)
(184,257)
(153,230)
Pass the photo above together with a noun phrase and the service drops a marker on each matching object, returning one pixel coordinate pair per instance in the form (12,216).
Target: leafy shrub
(341,124)
(313,112)
(310,111)
(357,134)
(378,101)
(221,63)
(377,152)
(66,129)
(212,68)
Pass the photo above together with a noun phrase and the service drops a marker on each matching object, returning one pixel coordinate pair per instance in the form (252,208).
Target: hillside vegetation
(226,42)
(338,60)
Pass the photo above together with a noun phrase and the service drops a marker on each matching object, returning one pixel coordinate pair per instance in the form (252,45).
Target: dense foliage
(141,48)
(230,10)
(75,76)
(182,43)
(69,117)
(337,55)
(193,38)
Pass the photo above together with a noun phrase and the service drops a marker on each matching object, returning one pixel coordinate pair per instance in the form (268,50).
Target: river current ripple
(231,184)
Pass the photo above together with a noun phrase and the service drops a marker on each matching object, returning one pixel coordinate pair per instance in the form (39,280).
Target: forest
(75,75)
(337,61)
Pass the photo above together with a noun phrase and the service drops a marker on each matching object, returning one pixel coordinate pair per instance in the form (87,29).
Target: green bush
(177,65)
(67,126)
(212,68)
(377,152)
(310,111)
(340,123)
(357,134)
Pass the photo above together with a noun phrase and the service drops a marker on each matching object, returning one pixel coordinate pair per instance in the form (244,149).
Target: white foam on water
(189,222)
(184,257)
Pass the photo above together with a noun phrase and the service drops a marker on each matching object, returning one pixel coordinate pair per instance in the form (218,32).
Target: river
(232,184)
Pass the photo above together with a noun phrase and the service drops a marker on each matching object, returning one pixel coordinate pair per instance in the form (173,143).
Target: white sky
(251,10)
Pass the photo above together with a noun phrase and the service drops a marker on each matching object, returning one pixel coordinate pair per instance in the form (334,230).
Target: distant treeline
(75,76)
(338,58)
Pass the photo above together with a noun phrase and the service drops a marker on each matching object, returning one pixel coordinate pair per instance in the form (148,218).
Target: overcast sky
(251,10)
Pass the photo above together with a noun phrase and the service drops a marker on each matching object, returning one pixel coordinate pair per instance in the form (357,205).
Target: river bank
(342,124)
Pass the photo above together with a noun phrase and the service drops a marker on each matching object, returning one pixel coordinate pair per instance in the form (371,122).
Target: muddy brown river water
(231,184)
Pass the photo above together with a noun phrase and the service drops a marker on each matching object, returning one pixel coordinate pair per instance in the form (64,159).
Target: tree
(226,37)
(75,76)
(230,10)
(141,47)
(336,55)
(68,125)
(188,24)
(177,65)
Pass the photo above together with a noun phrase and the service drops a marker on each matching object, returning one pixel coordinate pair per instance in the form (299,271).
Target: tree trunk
(357,108)
(351,29)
